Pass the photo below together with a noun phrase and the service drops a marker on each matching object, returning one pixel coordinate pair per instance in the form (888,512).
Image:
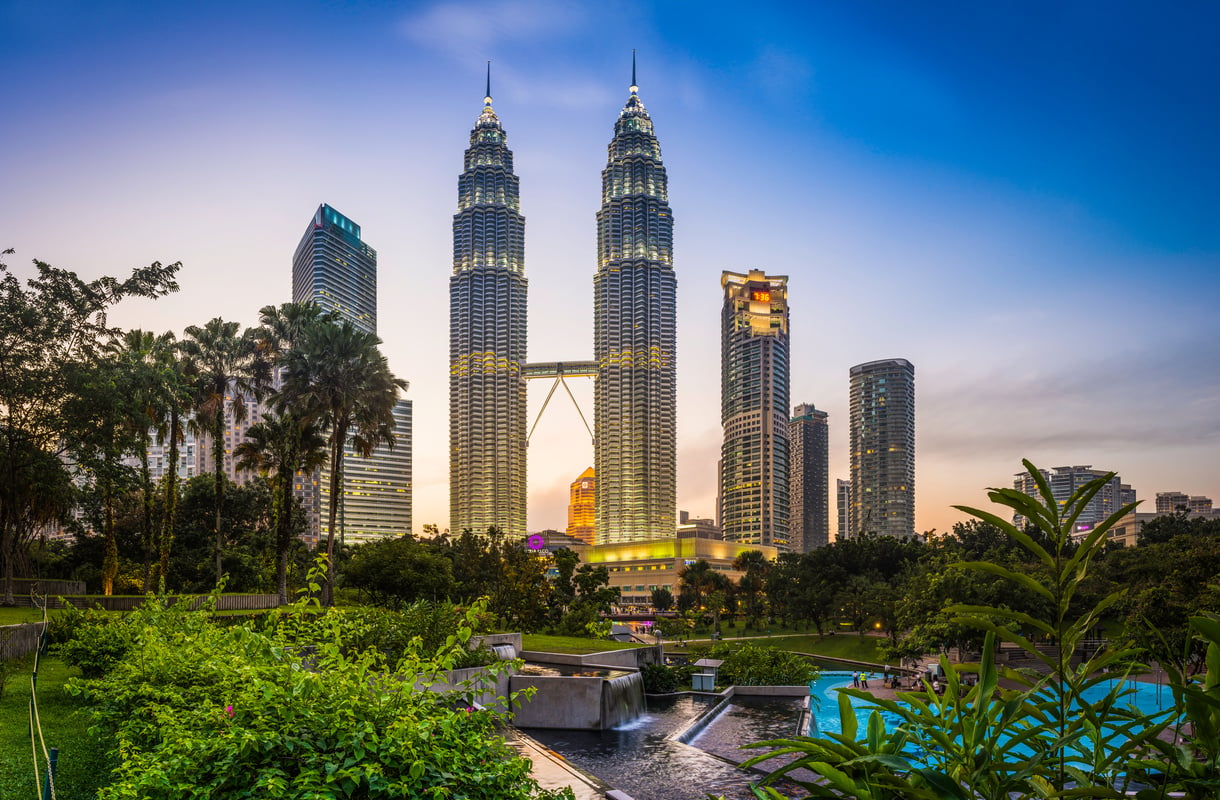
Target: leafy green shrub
(660,679)
(96,646)
(754,665)
(300,710)
(420,628)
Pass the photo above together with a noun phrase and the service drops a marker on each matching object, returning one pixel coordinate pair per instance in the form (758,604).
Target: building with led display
(582,507)
(882,448)
(809,443)
(635,338)
(487,330)
(334,268)
(754,483)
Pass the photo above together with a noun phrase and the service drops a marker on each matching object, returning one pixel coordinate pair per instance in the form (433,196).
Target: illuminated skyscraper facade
(754,459)
(635,338)
(882,448)
(809,442)
(334,268)
(487,339)
(582,506)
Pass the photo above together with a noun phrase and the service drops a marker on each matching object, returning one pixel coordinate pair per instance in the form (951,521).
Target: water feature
(746,719)
(644,758)
(569,696)
(622,699)
(504,652)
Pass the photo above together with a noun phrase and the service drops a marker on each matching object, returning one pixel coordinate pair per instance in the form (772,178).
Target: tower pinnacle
(634,89)
(487,96)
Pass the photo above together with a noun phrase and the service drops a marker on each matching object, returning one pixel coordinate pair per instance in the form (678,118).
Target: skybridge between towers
(559,372)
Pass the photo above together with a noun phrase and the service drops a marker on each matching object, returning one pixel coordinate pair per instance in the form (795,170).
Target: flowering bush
(201,710)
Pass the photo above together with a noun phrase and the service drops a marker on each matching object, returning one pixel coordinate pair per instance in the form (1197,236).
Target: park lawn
(848,646)
(572,644)
(15,616)
(83,765)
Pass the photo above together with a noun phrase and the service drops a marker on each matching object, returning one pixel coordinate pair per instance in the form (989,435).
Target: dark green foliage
(397,571)
(751,665)
(422,627)
(298,710)
(97,645)
(664,679)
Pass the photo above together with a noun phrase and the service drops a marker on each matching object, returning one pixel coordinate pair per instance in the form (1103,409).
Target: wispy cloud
(463,29)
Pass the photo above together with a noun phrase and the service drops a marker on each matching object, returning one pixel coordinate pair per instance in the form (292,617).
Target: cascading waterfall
(504,652)
(622,699)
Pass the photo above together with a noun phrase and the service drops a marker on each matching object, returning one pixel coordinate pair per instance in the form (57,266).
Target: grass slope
(83,767)
(572,644)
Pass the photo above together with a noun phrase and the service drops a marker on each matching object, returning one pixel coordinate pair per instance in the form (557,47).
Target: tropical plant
(280,447)
(220,365)
(51,323)
(338,380)
(1058,734)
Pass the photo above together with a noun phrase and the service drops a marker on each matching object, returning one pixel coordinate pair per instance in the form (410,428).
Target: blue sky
(1020,198)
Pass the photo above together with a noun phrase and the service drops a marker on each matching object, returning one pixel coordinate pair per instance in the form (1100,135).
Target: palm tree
(220,364)
(175,403)
(280,447)
(338,380)
(140,352)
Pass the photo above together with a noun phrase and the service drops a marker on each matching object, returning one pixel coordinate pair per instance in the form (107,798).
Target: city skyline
(1000,187)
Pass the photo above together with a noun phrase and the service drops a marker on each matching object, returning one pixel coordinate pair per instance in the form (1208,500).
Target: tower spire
(487,96)
(634,86)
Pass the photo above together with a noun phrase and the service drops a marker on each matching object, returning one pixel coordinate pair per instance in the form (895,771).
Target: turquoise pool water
(1149,698)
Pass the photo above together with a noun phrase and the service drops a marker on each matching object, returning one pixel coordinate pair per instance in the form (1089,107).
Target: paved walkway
(553,771)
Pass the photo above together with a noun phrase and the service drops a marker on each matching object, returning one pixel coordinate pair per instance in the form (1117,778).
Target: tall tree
(280,447)
(53,321)
(338,380)
(221,361)
(176,404)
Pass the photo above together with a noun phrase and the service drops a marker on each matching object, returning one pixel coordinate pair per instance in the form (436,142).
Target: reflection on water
(641,760)
(563,670)
(749,719)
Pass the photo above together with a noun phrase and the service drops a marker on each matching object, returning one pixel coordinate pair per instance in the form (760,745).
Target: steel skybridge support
(560,371)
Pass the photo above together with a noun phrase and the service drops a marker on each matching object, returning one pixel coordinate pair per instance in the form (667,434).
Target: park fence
(18,640)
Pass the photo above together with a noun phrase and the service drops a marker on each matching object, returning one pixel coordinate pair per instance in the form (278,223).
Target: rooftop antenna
(634,87)
(487,97)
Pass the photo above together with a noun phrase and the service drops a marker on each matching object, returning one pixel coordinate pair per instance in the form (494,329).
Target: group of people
(859,680)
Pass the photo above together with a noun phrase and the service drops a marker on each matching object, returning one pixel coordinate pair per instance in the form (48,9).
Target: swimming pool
(1148,698)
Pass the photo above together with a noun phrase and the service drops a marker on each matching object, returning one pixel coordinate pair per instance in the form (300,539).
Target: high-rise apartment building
(809,443)
(582,507)
(336,269)
(1172,502)
(843,507)
(635,338)
(882,448)
(487,331)
(754,481)
(1064,481)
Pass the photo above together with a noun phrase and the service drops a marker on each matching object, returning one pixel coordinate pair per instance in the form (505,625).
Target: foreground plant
(1067,733)
(203,710)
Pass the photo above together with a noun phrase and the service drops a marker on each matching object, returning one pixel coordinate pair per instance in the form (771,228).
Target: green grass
(572,644)
(847,646)
(83,766)
(16,616)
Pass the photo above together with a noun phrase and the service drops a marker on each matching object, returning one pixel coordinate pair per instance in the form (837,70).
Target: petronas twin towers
(635,337)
